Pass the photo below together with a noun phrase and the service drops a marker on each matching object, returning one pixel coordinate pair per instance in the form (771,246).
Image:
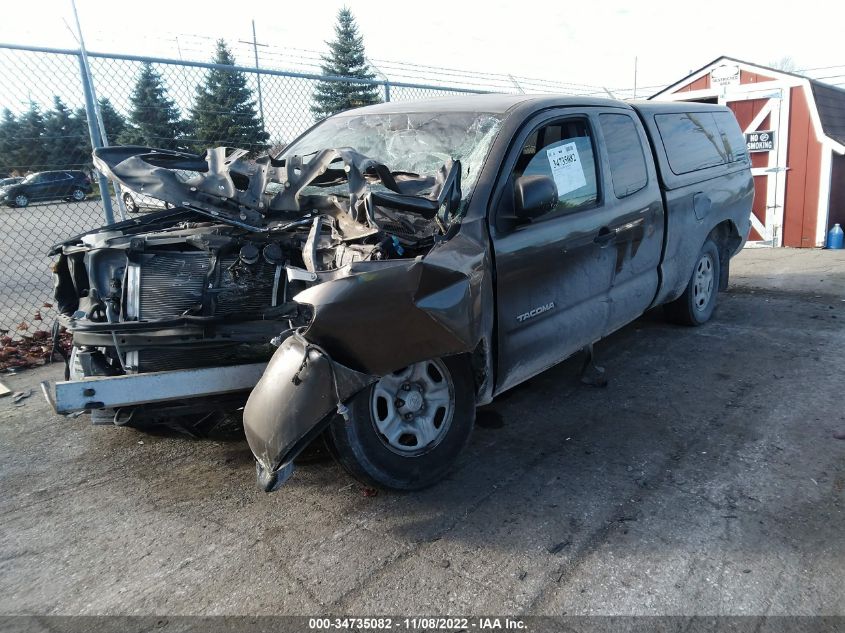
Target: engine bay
(212,281)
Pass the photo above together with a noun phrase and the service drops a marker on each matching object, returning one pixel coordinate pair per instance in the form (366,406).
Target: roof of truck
(496,103)
(501,103)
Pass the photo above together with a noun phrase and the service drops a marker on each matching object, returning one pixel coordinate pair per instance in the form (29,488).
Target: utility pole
(255,46)
(516,84)
(635,76)
(384,78)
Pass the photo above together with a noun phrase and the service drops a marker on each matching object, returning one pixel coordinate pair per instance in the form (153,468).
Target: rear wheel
(407,429)
(78,195)
(696,305)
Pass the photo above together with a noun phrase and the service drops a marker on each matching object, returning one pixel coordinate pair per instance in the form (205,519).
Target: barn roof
(827,101)
(830,101)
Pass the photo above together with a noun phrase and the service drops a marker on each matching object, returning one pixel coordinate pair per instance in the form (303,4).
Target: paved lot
(705,479)
(26,236)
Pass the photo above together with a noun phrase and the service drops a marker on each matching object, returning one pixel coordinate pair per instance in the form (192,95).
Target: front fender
(293,402)
(418,310)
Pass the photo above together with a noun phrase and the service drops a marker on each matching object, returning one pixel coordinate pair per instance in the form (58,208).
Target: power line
(200,47)
(804,70)
(314,58)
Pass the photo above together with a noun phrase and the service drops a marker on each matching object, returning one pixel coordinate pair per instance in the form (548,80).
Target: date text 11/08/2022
(417,624)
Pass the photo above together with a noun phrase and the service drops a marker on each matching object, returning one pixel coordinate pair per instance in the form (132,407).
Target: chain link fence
(43,128)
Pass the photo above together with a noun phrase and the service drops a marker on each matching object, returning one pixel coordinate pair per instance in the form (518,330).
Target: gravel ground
(704,480)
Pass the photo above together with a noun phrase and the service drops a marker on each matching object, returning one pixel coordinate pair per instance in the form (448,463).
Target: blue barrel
(835,237)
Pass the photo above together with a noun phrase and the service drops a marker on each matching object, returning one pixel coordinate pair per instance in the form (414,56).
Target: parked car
(415,261)
(137,202)
(47,185)
(5,182)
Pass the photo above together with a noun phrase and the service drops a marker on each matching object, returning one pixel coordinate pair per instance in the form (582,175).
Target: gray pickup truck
(397,265)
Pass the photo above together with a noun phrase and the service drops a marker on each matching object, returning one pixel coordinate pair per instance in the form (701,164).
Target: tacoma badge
(532,313)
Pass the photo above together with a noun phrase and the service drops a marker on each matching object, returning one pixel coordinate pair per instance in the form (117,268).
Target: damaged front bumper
(301,389)
(116,392)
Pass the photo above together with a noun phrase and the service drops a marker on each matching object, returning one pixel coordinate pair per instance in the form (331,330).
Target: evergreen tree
(113,121)
(224,110)
(345,59)
(84,148)
(154,119)
(31,154)
(65,138)
(9,143)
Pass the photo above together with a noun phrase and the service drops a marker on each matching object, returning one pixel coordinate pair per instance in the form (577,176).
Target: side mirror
(534,196)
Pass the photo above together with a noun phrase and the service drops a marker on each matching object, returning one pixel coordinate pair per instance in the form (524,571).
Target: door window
(628,169)
(732,136)
(563,151)
(698,140)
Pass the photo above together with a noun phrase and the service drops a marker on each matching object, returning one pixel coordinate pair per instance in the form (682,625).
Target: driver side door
(38,188)
(554,273)
(61,185)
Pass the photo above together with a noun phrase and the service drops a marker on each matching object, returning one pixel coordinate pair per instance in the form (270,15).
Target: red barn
(795,131)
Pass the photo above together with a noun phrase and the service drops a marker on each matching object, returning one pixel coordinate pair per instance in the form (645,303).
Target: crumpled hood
(266,193)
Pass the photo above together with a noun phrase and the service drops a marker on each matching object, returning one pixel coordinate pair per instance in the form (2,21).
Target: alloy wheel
(702,285)
(412,409)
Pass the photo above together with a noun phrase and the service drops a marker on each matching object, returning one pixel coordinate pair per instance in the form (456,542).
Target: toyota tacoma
(395,267)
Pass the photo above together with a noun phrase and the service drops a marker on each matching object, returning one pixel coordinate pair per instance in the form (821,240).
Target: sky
(592,43)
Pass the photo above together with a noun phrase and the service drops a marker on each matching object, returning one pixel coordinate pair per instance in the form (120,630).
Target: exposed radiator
(173,283)
(169,359)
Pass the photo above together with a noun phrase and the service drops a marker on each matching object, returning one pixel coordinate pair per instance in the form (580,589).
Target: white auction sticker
(566,168)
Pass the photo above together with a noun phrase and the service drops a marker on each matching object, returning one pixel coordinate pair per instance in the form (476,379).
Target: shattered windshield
(418,142)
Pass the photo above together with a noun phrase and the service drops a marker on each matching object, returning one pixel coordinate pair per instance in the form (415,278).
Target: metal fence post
(258,78)
(96,139)
(386,91)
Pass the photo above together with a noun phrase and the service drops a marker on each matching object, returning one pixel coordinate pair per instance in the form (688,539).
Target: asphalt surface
(705,479)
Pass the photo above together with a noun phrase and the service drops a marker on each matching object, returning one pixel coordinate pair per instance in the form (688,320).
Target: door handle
(628,226)
(605,236)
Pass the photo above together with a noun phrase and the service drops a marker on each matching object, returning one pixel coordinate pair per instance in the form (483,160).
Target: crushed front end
(327,264)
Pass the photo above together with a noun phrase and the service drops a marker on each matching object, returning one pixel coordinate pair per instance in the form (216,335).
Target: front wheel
(696,305)
(78,195)
(407,429)
(21,200)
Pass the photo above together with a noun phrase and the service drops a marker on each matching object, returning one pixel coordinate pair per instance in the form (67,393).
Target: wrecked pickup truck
(395,267)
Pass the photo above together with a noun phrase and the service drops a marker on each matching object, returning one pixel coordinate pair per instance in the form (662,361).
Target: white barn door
(767,220)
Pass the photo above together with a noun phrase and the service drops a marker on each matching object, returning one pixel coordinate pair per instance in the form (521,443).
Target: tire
(696,305)
(129,201)
(422,451)
(21,200)
(78,195)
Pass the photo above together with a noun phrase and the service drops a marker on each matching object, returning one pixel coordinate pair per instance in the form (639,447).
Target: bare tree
(785,63)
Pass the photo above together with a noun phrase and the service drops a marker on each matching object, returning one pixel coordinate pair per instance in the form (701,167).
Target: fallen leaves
(29,350)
